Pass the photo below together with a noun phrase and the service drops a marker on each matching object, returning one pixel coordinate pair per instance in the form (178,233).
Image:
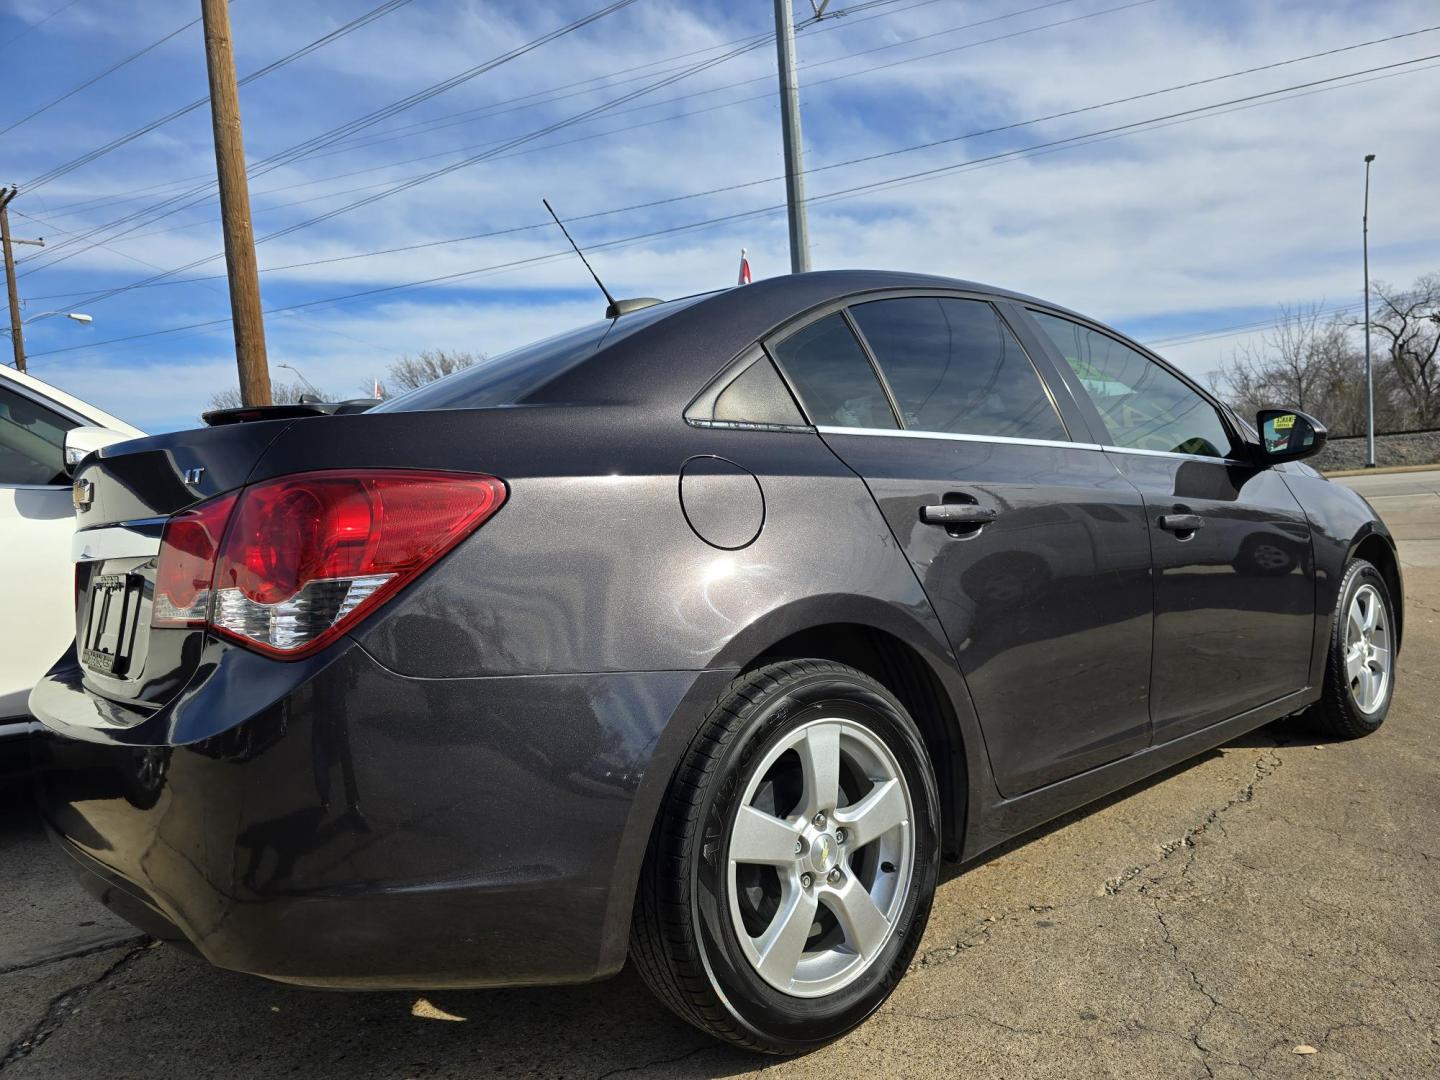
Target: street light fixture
(313,388)
(1369,367)
(78,316)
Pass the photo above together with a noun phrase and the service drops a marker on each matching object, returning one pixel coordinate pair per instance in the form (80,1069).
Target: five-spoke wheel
(819,856)
(793,864)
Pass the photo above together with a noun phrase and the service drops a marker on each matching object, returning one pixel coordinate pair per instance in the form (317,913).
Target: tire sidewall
(783,1021)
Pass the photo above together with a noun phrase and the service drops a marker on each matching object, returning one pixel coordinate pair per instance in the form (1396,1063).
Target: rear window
(513,377)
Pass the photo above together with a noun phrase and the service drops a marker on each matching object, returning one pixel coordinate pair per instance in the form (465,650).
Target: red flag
(744,269)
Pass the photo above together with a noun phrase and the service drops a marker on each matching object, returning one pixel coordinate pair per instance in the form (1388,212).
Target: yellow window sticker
(1284,423)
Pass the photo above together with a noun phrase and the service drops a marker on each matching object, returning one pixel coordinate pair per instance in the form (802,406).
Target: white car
(37,520)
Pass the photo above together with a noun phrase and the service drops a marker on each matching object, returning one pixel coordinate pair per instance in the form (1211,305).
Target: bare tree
(281,393)
(411,371)
(1306,362)
(1408,325)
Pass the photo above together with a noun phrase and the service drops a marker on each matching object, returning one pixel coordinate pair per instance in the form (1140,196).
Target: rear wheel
(791,871)
(1360,670)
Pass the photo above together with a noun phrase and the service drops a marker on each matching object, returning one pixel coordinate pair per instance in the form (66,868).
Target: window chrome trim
(139,539)
(915,433)
(1012,440)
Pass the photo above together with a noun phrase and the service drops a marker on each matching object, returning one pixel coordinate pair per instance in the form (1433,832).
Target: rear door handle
(1181,523)
(961,514)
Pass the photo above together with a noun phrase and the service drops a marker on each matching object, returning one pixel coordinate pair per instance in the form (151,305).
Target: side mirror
(81,442)
(1287,435)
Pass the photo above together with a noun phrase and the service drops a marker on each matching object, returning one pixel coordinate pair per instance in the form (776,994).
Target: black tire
(1337,713)
(682,938)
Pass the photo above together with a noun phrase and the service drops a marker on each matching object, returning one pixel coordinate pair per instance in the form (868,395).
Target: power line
(435,173)
(283,157)
(96,78)
(37,24)
(723,189)
(84,159)
(65,209)
(1213,333)
(1183,116)
(502,148)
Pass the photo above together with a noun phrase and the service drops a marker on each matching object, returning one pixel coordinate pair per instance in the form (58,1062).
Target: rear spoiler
(247,414)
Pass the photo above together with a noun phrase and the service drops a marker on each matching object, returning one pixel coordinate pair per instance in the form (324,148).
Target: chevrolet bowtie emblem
(82,494)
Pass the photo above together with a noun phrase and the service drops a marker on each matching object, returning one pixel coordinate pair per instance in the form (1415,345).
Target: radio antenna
(609,299)
(615,308)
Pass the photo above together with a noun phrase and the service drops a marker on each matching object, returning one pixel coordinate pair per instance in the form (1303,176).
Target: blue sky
(1166,231)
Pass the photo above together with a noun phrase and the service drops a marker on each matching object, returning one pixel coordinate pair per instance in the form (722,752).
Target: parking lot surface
(1275,897)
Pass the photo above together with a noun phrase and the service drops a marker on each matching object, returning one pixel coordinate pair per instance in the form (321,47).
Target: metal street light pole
(790,130)
(1369,367)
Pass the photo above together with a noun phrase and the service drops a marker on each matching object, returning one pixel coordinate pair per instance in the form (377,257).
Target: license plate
(110,630)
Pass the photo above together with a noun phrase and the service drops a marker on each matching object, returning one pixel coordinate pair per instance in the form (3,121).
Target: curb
(1381,470)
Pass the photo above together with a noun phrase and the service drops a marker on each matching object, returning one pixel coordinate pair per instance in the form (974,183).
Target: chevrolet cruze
(696,637)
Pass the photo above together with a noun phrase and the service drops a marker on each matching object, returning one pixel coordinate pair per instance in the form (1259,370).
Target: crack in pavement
(76,954)
(661,1061)
(1265,765)
(62,1007)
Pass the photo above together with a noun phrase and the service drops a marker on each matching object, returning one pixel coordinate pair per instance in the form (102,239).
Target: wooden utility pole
(17,333)
(249,322)
(17,325)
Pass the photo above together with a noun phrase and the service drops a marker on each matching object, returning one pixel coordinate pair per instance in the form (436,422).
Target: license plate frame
(110,624)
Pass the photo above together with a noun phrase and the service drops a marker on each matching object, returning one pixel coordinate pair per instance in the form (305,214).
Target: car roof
(674,355)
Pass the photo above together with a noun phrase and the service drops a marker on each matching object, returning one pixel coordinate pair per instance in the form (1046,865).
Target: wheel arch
(1378,548)
(903,670)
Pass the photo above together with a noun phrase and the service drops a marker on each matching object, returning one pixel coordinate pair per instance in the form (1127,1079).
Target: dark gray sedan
(698,636)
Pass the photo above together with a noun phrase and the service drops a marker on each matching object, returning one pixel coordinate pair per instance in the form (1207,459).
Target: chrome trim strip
(909,433)
(128,540)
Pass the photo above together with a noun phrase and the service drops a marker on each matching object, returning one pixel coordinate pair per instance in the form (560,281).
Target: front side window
(1144,407)
(955,367)
(32,441)
(833,376)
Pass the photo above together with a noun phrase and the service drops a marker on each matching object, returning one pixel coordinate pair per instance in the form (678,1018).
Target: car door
(36,523)
(1033,550)
(1234,577)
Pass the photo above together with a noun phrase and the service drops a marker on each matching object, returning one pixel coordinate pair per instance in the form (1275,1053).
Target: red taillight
(304,557)
(187,563)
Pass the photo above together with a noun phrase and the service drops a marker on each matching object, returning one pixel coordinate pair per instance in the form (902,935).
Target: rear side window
(32,441)
(1144,406)
(955,367)
(833,376)
(749,394)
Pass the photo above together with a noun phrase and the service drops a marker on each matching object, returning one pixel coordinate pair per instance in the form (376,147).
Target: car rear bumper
(364,829)
(14,755)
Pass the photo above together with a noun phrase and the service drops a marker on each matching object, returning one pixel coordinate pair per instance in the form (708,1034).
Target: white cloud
(1195,225)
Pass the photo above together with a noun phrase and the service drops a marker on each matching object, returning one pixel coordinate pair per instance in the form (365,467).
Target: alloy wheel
(1367,649)
(820,857)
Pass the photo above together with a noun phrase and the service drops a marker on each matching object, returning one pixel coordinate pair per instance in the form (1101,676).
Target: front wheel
(791,871)
(1360,670)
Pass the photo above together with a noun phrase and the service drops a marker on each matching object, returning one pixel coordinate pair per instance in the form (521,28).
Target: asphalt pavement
(1268,909)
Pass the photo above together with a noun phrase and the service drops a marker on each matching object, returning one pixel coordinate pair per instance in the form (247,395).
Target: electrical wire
(200,193)
(814,170)
(1182,116)
(114,144)
(97,77)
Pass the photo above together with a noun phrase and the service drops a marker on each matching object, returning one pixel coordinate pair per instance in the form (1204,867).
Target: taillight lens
(187,563)
(305,557)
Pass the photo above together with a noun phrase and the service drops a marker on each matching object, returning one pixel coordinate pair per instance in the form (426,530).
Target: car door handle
(961,514)
(1181,523)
